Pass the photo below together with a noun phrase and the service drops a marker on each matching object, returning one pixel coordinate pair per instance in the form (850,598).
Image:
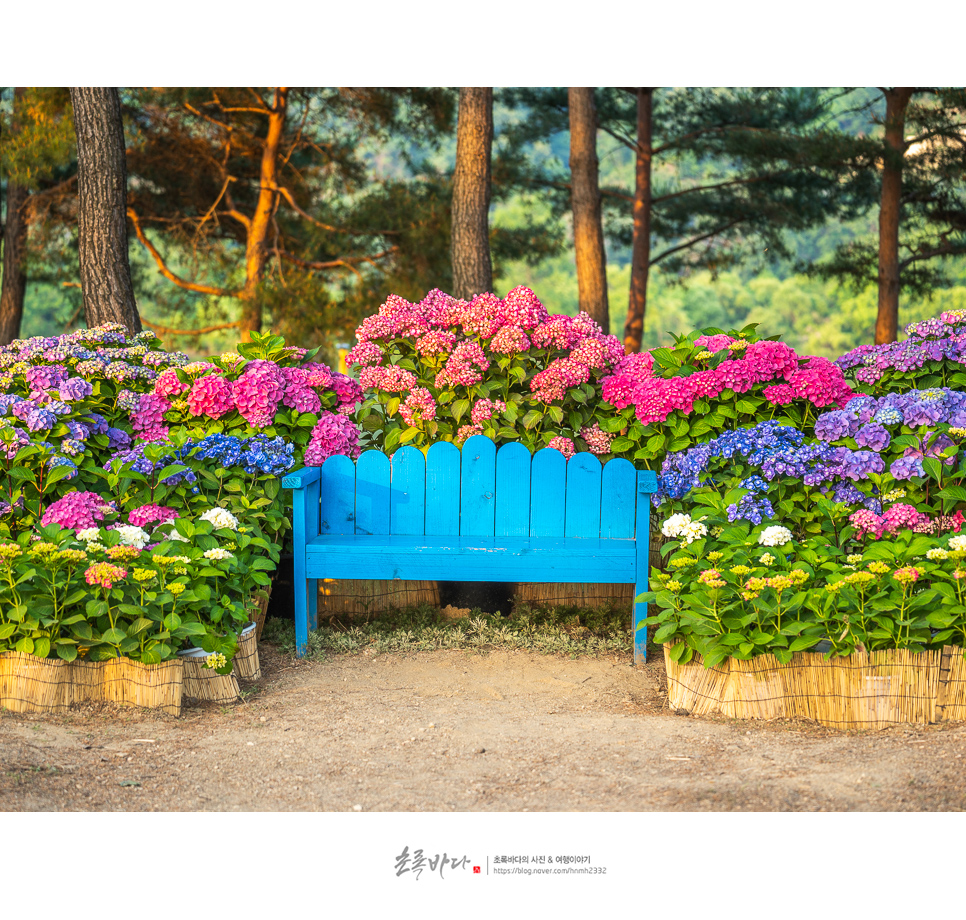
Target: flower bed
(141,510)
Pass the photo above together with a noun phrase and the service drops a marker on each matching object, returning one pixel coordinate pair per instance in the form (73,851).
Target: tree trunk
(588,232)
(102,208)
(641,245)
(14,275)
(470,239)
(14,250)
(256,244)
(887,321)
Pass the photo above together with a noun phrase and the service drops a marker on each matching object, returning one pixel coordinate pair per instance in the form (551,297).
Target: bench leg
(639,613)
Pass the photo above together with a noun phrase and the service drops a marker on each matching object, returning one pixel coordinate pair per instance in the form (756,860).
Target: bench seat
(438,558)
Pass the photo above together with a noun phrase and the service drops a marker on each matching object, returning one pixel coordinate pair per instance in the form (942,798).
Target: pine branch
(688,243)
(163,268)
(207,329)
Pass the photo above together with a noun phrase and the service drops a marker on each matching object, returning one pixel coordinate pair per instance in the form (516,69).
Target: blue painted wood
(474,558)
(548,477)
(372,493)
(583,497)
(301,477)
(512,514)
(407,496)
(646,486)
(478,487)
(305,525)
(618,500)
(443,489)
(338,496)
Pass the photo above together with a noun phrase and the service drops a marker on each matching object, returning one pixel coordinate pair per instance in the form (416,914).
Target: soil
(464,732)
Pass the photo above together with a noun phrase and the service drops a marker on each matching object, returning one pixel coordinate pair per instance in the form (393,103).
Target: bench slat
(478,486)
(372,493)
(407,498)
(443,489)
(512,516)
(547,508)
(617,499)
(338,500)
(583,497)
(473,559)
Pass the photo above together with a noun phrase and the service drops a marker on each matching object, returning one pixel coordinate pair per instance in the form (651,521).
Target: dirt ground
(455,731)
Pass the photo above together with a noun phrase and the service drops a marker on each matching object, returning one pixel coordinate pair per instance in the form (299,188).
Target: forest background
(765,207)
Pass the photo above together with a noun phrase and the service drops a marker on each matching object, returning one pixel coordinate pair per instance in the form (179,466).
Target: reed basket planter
(47,685)
(203,683)
(863,691)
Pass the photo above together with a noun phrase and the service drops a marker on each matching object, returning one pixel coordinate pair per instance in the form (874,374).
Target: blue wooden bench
(480,515)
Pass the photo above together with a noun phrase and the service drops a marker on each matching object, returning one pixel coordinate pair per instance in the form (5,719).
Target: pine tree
(270,194)
(102,203)
(585,199)
(919,164)
(730,171)
(470,247)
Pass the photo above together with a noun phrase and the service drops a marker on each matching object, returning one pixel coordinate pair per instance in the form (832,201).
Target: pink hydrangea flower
(147,419)
(418,407)
(564,445)
(485,409)
(258,392)
(167,384)
(467,431)
(598,442)
(151,514)
(78,511)
(333,434)
(298,394)
(212,396)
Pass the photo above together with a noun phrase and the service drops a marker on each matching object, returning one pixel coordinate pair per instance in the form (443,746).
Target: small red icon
(476,870)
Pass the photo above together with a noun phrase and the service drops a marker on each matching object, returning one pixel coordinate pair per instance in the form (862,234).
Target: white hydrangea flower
(219,518)
(89,534)
(958,542)
(767,559)
(132,536)
(774,536)
(682,527)
(936,553)
(174,535)
(218,553)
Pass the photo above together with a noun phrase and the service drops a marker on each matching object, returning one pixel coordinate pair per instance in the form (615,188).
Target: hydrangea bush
(117,454)
(445,369)
(741,591)
(932,355)
(668,399)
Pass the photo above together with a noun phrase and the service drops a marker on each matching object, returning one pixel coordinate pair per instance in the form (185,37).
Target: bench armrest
(299,479)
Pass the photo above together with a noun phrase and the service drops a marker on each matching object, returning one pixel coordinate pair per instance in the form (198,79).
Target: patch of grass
(551,630)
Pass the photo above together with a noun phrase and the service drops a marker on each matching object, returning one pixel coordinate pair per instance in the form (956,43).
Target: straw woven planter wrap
(572,595)
(203,683)
(246,663)
(355,597)
(31,684)
(260,600)
(864,691)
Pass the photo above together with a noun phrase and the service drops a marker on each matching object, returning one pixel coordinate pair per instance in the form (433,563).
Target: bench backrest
(481,491)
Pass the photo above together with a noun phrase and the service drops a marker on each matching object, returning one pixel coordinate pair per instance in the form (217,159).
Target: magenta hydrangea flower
(333,434)
(167,383)
(151,514)
(78,511)
(258,391)
(212,396)
(147,419)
